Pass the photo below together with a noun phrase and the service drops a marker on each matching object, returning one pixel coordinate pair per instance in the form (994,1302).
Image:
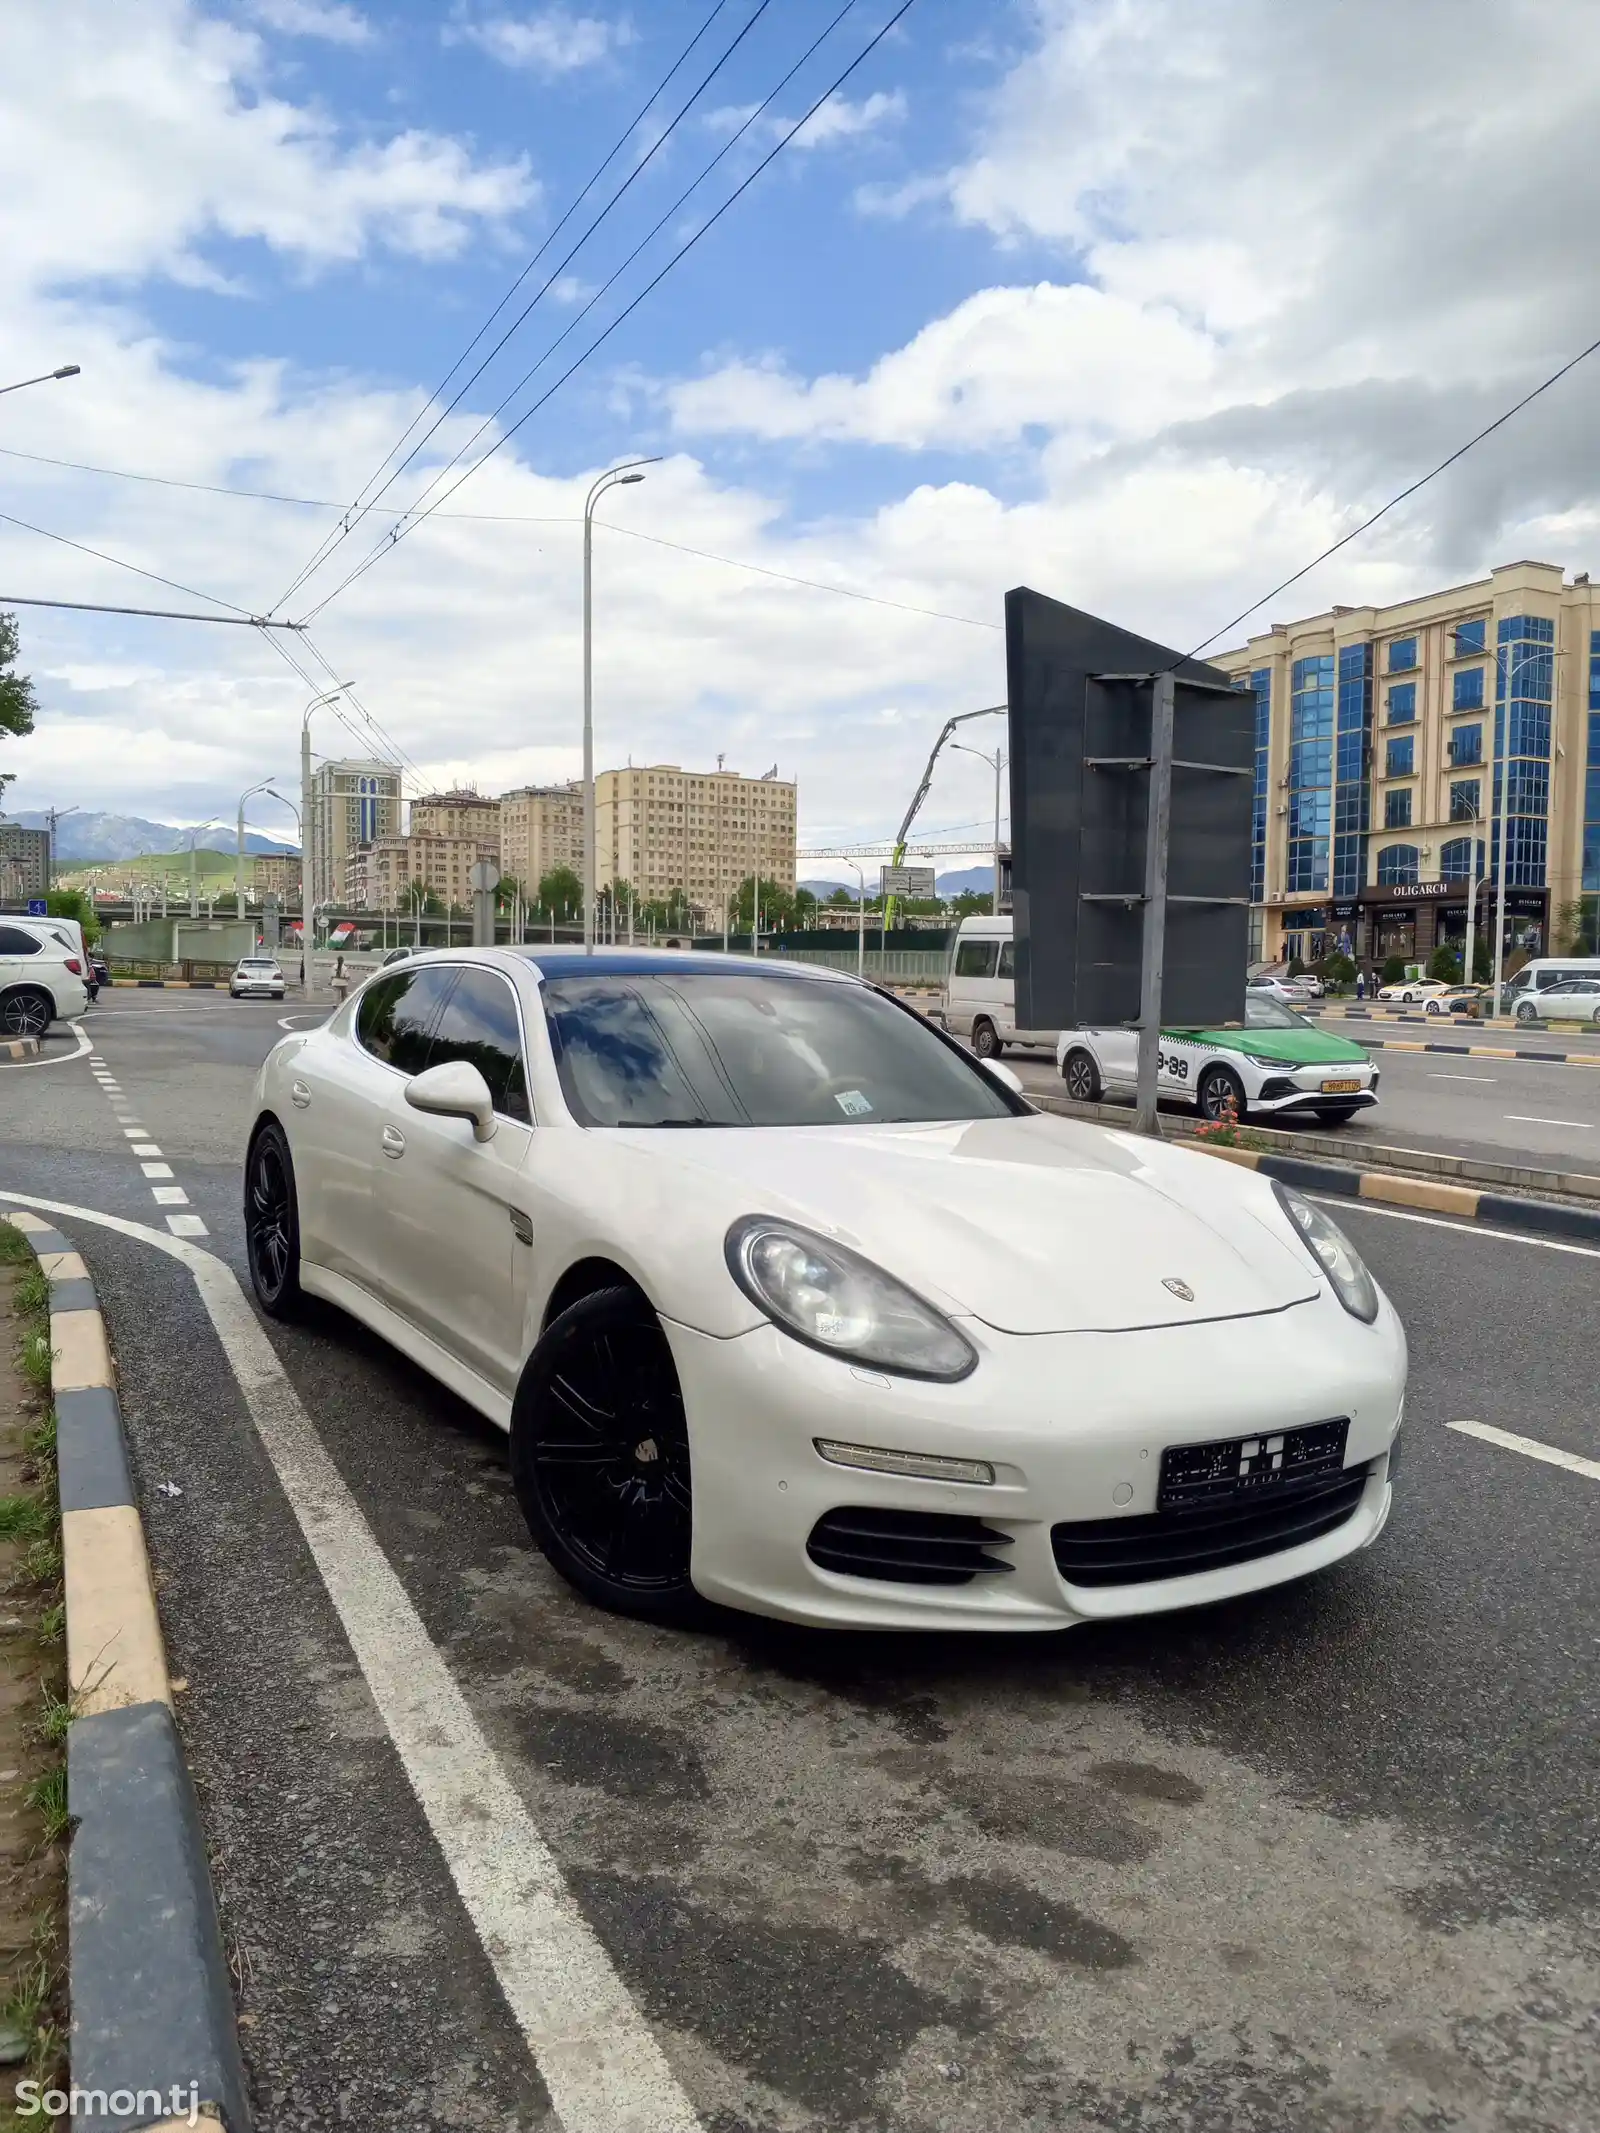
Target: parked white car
(1288,992)
(257,977)
(41,979)
(1576,1001)
(777,1290)
(1411,990)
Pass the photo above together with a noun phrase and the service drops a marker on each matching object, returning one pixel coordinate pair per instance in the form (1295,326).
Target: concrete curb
(19,1047)
(1543,1218)
(152,2001)
(173,984)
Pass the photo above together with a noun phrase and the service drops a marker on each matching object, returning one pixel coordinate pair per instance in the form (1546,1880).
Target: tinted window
(397,1014)
(13,941)
(738,1050)
(480,1025)
(975,959)
(1008,959)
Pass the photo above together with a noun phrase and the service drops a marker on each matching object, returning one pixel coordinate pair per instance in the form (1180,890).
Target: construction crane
(921,793)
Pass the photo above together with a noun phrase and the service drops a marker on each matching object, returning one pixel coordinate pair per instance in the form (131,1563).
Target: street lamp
(615,477)
(67,370)
(1502,778)
(308,881)
(262,786)
(215,822)
(861,917)
(998,761)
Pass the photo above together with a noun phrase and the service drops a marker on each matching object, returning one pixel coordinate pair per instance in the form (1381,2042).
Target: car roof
(677,962)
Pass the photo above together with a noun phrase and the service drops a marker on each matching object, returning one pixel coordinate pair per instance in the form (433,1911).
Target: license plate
(1339,1088)
(1194,1475)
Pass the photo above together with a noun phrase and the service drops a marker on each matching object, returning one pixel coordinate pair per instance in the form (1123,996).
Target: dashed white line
(144,1148)
(156,1170)
(1530,1448)
(1487,1079)
(1575,1125)
(601,2062)
(1484,1232)
(169,1196)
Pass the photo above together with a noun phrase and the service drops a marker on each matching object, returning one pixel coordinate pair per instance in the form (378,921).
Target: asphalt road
(1323,1861)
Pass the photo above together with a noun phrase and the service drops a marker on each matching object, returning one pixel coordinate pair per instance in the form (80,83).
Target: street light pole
(239,876)
(861,917)
(615,477)
(1502,778)
(194,886)
(998,760)
(67,370)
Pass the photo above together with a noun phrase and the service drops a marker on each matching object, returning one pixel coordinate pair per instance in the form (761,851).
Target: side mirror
(454,1090)
(1007,1077)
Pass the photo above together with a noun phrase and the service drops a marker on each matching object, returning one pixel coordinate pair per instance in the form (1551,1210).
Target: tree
(971,903)
(560,893)
(73,903)
(777,905)
(1445,965)
(17,700)
(842,896)
(416,897)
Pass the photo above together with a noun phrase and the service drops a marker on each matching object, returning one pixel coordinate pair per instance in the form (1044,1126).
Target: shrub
(1394,970)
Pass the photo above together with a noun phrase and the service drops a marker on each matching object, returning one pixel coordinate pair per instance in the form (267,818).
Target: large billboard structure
(1132,781)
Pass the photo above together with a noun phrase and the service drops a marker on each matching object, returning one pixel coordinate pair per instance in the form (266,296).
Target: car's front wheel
(1526,1011)
(1221,1093)
(1081,1076)
(600,1457)
(272,1223)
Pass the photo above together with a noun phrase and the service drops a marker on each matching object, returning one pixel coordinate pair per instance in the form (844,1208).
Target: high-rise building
(276,874)
(541,828)
(378,876)
(1389,743)
(661,828)
(24,860)
(458,814)
(351,803)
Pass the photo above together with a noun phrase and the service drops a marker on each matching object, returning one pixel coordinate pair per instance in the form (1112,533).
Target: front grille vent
(906,1547)
(1175,1544)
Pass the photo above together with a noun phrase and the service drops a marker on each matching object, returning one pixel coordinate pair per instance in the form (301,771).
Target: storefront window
(1397,935)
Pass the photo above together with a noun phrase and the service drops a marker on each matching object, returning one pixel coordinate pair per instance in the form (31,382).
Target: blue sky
(1077,293)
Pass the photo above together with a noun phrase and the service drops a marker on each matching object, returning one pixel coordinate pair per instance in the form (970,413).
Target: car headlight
(1333,1252)
(831,1298)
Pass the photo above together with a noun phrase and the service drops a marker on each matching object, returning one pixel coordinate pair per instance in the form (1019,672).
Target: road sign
(37,907)
(906,881)
(484,877)
(1132,781)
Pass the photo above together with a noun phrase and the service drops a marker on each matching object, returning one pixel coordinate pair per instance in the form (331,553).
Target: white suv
(41,981)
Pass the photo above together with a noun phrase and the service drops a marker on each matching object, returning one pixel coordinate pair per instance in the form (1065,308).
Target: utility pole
(52,814)
(1163,696)
(615,477)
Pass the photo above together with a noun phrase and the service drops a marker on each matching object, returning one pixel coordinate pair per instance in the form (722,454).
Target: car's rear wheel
(27,1012)
(1081,1076)
(272,1223)
(600,1457)
(985,1041)
(1220,1091)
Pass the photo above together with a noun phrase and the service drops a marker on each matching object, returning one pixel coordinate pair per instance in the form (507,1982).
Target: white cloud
(550,41)
(310,18)
(841,120)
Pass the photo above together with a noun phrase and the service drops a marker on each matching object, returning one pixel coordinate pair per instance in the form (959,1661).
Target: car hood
(1287,1047)
(1033,1225)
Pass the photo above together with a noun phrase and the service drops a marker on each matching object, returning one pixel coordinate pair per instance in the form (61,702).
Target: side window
(976,959)
(396,1016)
(480,1025)
(1008,959)
(13,941)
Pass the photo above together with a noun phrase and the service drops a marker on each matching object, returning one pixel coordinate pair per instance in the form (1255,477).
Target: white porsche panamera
(789,1304)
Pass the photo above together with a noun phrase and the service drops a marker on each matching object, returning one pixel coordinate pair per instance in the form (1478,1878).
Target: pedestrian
(341,984)
(1361,985)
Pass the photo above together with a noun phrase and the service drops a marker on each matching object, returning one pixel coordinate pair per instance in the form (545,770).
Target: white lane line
(134,1133)
(169,1196)
(144,1148)
(187,1226)
(1576,1125)
(604,2069)
(1488,1079)
(82,1050)
(289,1021)
(156,1170)
(1530,1448)
(1484,1231)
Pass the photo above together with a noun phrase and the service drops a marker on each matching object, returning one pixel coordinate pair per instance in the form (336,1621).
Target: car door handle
(394,1142)
(299,1095)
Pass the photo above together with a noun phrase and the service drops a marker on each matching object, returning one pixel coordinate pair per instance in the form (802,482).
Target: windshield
(658,1049)
(1261,1011)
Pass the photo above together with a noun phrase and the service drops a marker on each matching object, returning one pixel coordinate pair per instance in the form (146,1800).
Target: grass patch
(35,1359)
(57,1715)
(25,1518)
(14,1247)
(41,1563)
(53,1623)
(33,2008)
(41,1440)
(32,1293)
(47,1796)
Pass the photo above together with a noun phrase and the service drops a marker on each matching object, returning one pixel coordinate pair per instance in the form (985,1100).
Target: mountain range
(87,836)
(956,883)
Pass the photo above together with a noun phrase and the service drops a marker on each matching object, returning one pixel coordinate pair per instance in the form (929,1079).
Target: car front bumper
(1074,1426)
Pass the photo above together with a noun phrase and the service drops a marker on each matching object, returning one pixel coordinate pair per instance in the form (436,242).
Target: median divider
(152,2001)
(19,1047)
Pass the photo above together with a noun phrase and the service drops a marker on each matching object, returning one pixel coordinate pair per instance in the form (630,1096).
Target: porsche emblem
(1180,1289)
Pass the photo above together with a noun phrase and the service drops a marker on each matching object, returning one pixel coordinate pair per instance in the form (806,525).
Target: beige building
(661,828)
(541,828)
(276,874)
(378,876)
(1378,794)
(352,803)
(457,814)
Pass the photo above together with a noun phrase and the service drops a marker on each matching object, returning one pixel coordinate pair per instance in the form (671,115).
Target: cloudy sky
(1134,301)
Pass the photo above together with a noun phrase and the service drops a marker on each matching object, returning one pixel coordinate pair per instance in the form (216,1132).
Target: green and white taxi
(1278,1062)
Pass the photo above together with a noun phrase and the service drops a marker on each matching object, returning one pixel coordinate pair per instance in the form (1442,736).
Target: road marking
(169,1196)
(1530,1448)
(156,1170)
(604,2069)
(144,1148)
(1490,1079)
(186,1226)
(289,1021)
(1462,1229)
(1576,1125)
(25,1066)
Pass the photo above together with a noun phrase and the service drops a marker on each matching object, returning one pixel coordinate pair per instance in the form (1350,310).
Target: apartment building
(352,803)
(1390,744)
(378,876)
(24,861)
(457,814)
(541,828)
(662,828)
(276,874)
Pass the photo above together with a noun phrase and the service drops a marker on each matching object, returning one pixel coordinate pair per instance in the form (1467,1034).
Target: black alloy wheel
(1221,1090)
(984,1041)
(27,1013)
(600,1457)
(1082,1077)
(272,1223)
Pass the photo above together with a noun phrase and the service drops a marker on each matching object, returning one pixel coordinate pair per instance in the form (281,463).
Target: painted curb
(152,1999)
(172,984)
(1541,1218)
(19,1047)
(1475,1051)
